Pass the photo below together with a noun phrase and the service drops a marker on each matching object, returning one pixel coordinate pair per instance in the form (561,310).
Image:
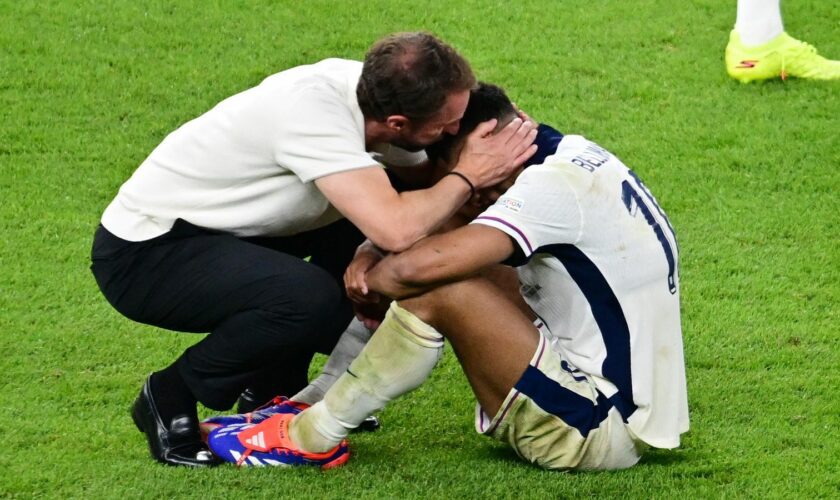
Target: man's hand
(488,158)
(521,113)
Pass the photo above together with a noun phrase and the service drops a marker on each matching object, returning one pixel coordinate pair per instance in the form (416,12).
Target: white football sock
(349,346)
(396,360)
(758,21)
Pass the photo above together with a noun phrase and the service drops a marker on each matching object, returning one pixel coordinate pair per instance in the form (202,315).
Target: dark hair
(487,101)
(410,74)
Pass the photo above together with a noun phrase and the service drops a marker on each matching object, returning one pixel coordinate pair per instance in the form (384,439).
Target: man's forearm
(422,212)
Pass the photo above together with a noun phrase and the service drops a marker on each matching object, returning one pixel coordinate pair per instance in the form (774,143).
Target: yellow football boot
(781,57)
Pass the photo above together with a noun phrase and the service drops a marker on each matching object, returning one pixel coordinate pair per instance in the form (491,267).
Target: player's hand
(367,256)
(488,158)
(371,315)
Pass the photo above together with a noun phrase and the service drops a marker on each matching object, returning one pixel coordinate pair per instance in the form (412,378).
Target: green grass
(748,174)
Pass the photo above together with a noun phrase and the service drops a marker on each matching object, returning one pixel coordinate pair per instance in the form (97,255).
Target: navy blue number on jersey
(630,196)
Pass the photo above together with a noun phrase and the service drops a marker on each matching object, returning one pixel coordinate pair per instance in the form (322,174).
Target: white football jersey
(598,262)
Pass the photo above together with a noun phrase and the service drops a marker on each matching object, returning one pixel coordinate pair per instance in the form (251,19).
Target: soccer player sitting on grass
(585,376)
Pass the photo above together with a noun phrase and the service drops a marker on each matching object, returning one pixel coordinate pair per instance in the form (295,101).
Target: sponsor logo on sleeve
(512,204)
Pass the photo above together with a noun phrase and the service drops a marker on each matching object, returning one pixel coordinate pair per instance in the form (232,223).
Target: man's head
(417,86)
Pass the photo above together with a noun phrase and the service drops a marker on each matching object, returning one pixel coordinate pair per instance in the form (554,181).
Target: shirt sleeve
(539,209)
(320,135)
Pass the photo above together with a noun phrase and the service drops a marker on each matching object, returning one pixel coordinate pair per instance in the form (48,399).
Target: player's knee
(427,307)
(441,300)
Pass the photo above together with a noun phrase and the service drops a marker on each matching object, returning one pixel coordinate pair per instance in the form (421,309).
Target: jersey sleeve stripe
(507,227)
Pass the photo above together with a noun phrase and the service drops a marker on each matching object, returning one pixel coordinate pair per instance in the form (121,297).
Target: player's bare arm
(368,255)
(439,259)
(393,221)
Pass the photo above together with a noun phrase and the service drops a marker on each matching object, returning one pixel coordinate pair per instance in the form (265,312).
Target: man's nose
(452,129)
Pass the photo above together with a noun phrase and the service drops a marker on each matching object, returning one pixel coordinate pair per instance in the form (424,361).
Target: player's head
(417,85)
(487,102)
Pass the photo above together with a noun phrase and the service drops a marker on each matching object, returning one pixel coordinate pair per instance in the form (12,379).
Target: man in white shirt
(582,369)
(209,233)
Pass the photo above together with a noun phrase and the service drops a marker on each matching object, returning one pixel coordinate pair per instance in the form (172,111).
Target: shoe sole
(136,419)
(749,79)
(338,462)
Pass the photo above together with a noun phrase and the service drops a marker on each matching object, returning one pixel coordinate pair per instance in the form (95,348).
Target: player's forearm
(429,264)
(398,279)
(439,259)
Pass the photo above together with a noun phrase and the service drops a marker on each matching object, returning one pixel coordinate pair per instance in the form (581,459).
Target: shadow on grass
(662,457)
(502,454)
(652,457)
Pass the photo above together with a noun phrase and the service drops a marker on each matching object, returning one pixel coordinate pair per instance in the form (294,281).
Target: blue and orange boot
(277,405)
(268,444)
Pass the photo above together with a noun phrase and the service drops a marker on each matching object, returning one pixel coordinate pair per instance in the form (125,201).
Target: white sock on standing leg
(758,21)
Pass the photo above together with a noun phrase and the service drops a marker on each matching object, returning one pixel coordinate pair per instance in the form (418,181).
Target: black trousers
(267,310)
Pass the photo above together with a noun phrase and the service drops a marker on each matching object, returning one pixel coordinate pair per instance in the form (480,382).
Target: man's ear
(396,123)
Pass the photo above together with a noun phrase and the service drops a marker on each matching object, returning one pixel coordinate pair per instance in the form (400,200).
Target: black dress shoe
(177,444)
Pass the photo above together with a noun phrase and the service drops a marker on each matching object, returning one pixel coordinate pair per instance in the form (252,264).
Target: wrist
(464,178)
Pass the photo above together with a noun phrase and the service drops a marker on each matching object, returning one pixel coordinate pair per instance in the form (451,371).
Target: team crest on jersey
(512,204)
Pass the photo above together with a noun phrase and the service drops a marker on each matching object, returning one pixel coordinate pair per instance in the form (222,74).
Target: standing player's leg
(759,49)
(758,21)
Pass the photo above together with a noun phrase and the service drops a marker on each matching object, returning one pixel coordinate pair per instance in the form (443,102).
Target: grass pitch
(748,174)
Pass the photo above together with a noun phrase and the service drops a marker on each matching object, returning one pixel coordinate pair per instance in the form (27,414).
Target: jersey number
(630,196)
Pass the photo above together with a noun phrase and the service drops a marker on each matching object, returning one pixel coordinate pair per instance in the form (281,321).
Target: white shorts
(556,418)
